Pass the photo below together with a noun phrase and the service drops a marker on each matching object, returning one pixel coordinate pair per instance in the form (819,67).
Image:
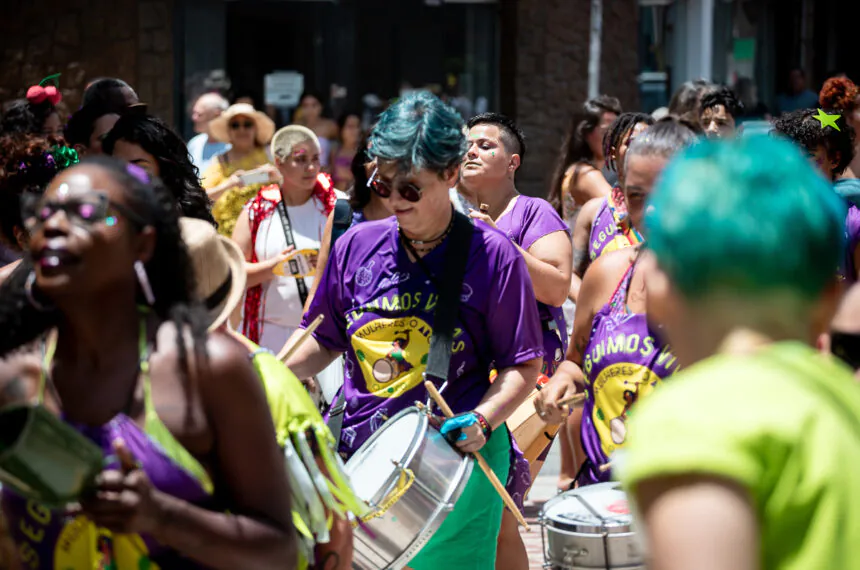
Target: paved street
(543,489)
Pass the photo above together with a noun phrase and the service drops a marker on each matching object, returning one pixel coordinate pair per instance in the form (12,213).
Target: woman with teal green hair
(759,430)
(383,281)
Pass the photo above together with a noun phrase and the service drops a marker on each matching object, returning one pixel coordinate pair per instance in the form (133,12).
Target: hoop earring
(28,290)
(144,282)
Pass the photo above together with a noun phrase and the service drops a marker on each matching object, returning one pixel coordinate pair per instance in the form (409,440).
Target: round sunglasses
(236,125)
(409,191)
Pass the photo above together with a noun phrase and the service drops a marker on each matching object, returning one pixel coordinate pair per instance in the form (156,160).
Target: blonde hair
(288,137)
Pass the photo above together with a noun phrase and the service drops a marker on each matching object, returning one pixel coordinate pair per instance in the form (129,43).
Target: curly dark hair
(512,136)
(22,116)
(575,148)
(174,164)
(804,129)
(618,132)
(721,95)
(170,273)
(26,166)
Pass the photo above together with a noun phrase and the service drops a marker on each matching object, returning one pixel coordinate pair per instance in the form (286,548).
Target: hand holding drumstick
(556,398)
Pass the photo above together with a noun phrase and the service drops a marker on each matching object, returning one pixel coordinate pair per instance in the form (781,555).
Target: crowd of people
(230,320)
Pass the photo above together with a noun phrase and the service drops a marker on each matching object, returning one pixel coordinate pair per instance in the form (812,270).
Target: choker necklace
(434,240)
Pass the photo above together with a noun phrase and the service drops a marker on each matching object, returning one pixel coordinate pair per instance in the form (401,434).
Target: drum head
(591,509)
(371,470)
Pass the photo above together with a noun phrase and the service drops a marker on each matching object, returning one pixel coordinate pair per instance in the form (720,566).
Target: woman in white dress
(282,220)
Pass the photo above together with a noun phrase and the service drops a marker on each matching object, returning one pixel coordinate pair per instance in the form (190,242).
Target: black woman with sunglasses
(105,290)
(379,294)
(248,131)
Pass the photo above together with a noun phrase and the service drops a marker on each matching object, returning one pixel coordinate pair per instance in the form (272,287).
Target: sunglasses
(409,191)
(846,346)
(83,210)
(236,125)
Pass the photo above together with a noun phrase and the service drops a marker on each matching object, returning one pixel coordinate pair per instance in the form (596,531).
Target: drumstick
(286,353)
(482,463)
(575,399)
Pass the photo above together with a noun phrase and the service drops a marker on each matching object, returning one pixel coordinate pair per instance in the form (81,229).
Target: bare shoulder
(606,271)
(20,374)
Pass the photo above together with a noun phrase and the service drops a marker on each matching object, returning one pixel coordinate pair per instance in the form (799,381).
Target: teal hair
(746,217)
(419,132)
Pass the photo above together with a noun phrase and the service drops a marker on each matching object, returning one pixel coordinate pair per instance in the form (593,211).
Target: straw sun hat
(219,268)
(219,127)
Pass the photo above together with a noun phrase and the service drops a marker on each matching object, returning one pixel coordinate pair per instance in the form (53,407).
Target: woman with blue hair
(614,351)
(759,431)
(379,293)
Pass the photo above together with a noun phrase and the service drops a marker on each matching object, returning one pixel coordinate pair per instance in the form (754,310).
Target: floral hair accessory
(41,92)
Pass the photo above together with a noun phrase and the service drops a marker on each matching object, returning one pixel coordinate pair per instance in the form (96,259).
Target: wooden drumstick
(575,399)
(286,352)
(482,463)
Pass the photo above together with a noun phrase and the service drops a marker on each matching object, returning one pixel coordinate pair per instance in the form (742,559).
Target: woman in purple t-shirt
(379,293)
(614,352)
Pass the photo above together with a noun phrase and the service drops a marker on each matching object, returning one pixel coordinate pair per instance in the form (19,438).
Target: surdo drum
(590,528)
(410,477)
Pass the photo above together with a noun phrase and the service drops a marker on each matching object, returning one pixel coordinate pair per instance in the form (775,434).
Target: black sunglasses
(84,210)
(409,191)
(236,125)
(846,346)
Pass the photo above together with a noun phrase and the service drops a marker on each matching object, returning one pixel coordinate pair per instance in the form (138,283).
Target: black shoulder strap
(342,219)
(294,265)
(456,256)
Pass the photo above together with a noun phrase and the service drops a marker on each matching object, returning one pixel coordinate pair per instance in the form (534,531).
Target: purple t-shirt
(603,230)
(379,308)
(852,235)
(526,222)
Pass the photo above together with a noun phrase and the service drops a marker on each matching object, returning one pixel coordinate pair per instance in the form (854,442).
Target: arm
(251,475)
(680,538)
(310,358)
(262,271)
(322,259)
(548,261)
(581,238)
(509,390)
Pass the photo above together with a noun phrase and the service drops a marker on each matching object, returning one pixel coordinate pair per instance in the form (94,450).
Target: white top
(202,151)
(282,304)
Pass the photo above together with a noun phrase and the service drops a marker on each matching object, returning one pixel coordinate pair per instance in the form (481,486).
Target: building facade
(526,58)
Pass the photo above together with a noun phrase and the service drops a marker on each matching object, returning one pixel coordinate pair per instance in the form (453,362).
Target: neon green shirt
(785,424)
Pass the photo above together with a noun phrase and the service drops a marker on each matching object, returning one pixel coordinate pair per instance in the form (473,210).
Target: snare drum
(590,528)
(410,477)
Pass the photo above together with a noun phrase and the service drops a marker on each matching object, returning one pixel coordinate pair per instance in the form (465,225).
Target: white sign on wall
(283,88)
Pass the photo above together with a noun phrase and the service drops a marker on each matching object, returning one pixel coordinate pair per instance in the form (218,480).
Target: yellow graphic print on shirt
(616,389)
(82,545)
(392,354)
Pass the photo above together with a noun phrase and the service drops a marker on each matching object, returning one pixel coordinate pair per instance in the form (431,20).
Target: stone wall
(548,72)
(85,39)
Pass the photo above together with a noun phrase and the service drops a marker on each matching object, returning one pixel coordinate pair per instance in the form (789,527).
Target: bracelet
(485,425)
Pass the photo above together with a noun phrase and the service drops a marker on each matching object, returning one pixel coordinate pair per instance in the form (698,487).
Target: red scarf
(260,208)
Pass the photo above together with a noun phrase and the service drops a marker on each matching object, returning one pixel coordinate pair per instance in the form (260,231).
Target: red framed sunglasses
(409,191)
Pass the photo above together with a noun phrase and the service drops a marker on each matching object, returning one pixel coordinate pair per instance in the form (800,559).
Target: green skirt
(468,537)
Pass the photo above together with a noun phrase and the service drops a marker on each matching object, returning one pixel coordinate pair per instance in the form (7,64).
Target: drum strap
(291,242)
(445,316)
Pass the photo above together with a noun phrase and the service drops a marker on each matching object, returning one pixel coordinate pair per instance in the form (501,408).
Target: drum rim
(412,449)
(609,525)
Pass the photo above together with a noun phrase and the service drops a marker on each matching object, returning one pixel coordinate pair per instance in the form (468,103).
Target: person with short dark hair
(797,96)
(687,99)
(719,112)
(496,148)
(109,93)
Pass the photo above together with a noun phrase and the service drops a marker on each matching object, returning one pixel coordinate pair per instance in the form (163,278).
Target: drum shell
(441,474)
(593,537)
(530,431)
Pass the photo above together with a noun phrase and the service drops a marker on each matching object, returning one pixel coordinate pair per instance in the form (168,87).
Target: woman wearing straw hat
(219,267)
(249,131)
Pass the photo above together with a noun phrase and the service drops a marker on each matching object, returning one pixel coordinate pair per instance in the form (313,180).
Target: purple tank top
(603,230)
(623,361)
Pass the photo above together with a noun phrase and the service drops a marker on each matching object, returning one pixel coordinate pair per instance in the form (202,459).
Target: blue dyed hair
(419,132)
(746,217)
